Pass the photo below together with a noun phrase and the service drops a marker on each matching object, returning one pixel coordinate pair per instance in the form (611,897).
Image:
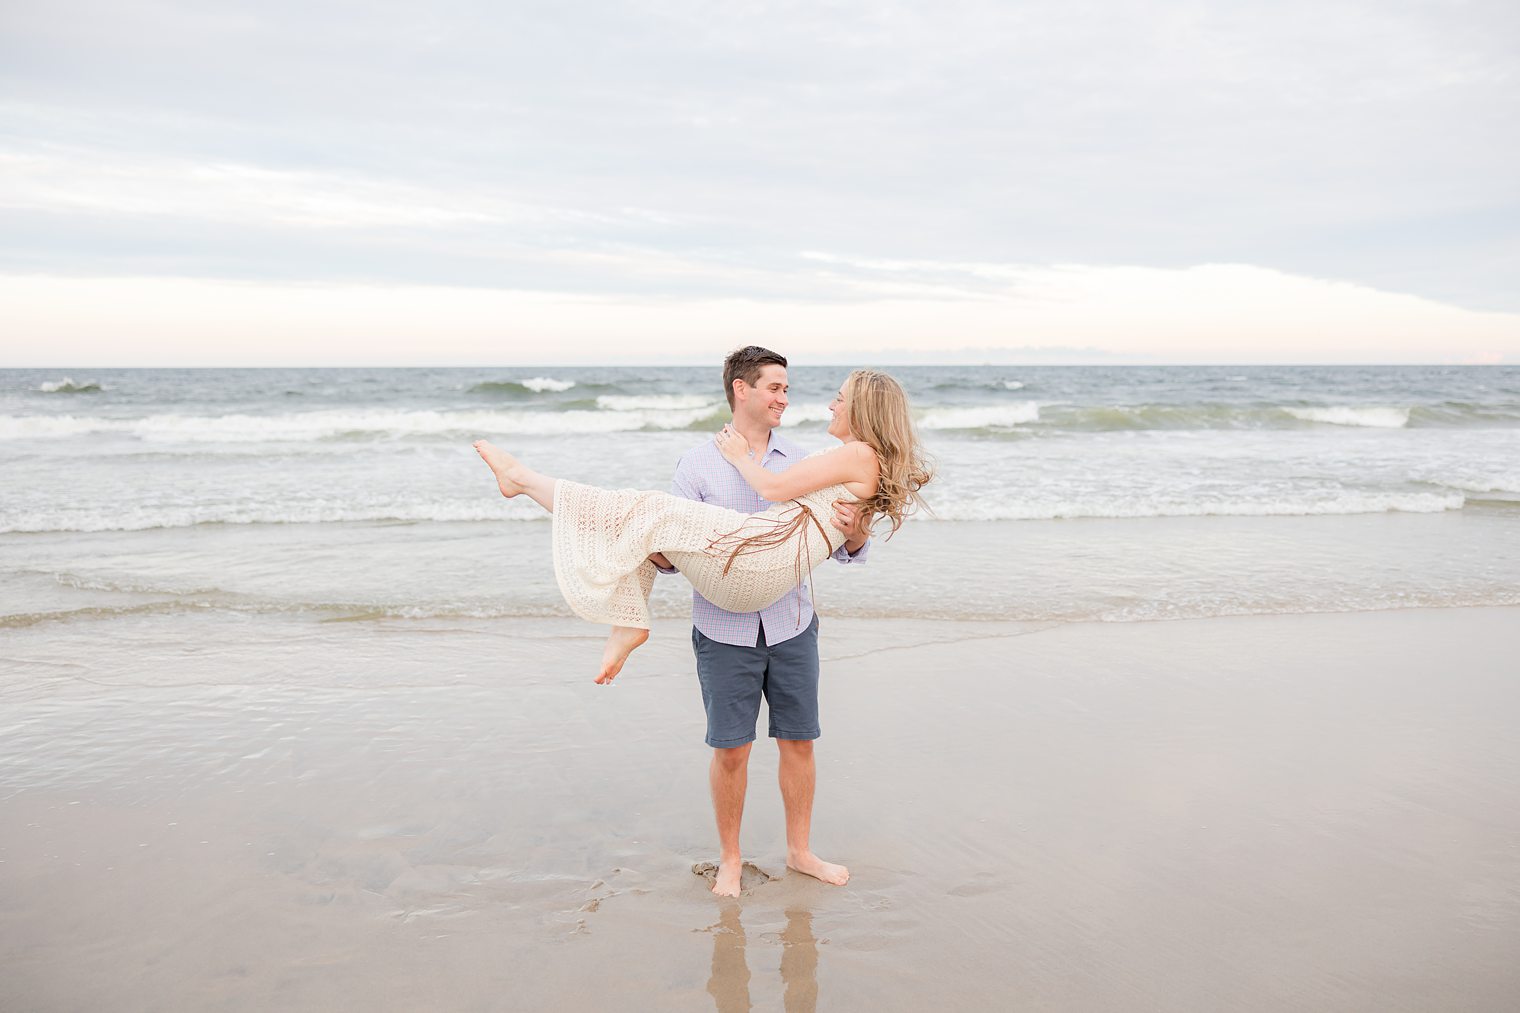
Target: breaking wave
(339,424)
(987,417)
(532,385)
(1375,418)
(68,386)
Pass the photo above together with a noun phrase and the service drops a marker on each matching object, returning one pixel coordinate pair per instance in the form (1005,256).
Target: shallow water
(235,811)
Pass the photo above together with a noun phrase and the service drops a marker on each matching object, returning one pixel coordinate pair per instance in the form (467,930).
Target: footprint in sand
(750,876)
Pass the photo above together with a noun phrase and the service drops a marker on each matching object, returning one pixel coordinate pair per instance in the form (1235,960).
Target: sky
(494,183)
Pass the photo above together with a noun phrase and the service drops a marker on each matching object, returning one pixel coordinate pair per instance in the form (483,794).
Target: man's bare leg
(621,642)
(729,776)
(798,775)
(515,478)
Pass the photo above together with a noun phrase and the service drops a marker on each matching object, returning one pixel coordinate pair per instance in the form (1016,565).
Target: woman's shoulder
(861,453)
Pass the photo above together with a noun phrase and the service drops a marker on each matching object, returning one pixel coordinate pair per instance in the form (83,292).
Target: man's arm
(684,485)
(849,519)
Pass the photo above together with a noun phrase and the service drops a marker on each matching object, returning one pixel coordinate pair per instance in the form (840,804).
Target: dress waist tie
(780,530)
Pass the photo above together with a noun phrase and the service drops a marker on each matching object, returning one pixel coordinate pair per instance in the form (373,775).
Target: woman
(603,538)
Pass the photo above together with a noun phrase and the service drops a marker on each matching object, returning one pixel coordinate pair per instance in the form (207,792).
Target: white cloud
(684,151)
(80,182)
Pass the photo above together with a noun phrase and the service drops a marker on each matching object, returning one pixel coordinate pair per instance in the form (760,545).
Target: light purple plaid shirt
(703,475)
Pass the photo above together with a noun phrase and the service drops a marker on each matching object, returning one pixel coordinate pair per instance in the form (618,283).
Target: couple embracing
(748,516)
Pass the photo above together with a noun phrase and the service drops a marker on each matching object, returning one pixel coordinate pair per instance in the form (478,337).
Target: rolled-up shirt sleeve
(843,556)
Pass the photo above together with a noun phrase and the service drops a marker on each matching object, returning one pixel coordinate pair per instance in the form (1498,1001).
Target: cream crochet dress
(603,538)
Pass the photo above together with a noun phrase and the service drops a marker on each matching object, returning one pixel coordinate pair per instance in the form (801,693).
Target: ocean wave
(1130,495)
(1013,384)
(311,512)
(981,416)
(802,414)
(1347,502)
(539,384)
(68,386)
(532,385)
(1346,415)
(1001,508)
(338,424)
(657,402)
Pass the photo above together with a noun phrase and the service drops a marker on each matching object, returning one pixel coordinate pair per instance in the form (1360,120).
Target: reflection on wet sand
(729,982)
(799,962)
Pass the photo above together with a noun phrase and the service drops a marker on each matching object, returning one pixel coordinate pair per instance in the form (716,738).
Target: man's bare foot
(504,466)
(810,864)
(621,642)
(726,883)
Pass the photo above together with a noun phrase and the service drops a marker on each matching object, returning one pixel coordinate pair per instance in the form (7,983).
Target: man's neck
(757,433)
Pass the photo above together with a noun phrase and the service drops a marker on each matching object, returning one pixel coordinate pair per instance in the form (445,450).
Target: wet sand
(244,812)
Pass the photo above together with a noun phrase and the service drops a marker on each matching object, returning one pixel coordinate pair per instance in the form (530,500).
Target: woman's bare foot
(507,469)
(726,883)
(810,864)
(621,642)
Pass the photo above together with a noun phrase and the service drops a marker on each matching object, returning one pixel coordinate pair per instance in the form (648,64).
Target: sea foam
(309,512)
(981,417)
(1139,506)
(656,402)
(373,424)
(539,384)
(68,386)
(1345,415)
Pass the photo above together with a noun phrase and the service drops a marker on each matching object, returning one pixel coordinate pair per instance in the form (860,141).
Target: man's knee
(795,748)
(732,760)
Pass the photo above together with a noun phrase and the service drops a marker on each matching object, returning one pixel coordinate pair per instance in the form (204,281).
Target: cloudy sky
(346,183)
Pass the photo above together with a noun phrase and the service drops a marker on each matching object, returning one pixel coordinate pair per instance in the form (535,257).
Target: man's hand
(850,520)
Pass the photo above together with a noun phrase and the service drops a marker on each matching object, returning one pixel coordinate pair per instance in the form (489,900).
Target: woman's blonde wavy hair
(876,409)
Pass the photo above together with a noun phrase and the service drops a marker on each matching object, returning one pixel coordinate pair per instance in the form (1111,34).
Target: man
(771,653)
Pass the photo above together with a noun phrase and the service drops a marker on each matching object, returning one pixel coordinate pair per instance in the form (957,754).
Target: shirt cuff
(843,555)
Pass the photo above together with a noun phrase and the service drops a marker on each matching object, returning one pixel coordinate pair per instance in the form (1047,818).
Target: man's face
(766,400)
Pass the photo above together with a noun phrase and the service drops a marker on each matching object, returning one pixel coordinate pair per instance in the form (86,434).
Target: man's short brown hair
(745,364)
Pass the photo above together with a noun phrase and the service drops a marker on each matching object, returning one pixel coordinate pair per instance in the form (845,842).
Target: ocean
(1062,493)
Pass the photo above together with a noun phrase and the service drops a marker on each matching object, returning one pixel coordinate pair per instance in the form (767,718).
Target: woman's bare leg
(621,642)
(514,478)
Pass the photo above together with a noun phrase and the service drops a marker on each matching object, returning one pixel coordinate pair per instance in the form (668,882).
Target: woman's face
(839,409)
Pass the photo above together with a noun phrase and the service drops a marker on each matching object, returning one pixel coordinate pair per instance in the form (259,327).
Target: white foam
(798,414)
(1343,415)
(1001,508)
(981,417)
(1347,502)
(656,402)
(68,386)
(311,512)
(539,384)
(317,425)
(1013,385)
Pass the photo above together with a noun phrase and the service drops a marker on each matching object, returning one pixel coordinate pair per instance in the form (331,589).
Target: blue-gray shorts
(734,678)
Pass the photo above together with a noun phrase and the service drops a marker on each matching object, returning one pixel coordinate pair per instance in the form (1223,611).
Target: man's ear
(739,392)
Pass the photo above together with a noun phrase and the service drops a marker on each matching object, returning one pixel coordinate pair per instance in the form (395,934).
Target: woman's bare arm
(852,462)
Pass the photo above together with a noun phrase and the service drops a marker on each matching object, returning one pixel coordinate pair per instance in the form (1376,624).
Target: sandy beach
(259,812)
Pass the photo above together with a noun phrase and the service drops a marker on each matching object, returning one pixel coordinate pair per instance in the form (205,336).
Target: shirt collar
(781,445)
